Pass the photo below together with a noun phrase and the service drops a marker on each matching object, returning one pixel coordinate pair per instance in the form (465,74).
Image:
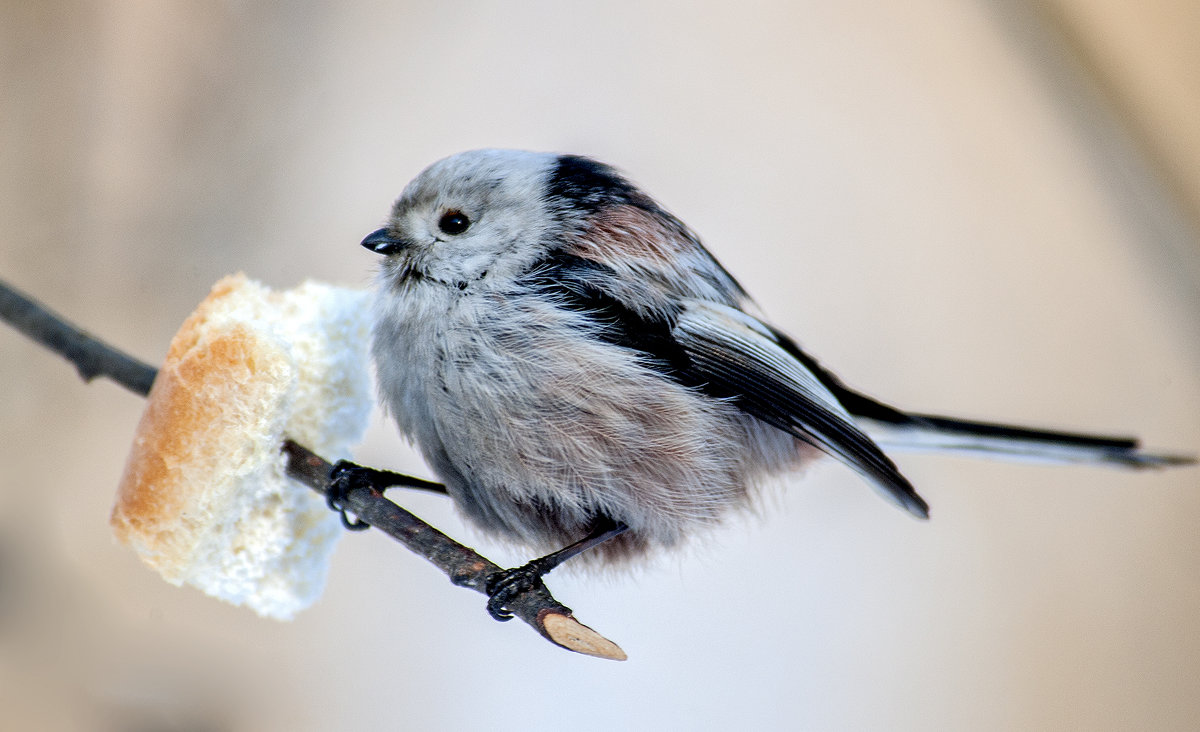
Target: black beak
(381,242)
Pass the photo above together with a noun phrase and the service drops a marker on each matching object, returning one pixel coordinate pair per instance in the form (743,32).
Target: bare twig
(461,564)
(91,357)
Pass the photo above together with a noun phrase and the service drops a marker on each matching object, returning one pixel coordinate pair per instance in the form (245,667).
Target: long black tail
(985,439)
(892,428)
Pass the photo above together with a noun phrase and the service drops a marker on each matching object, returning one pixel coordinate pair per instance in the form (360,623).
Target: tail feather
(986,439)
(893,428)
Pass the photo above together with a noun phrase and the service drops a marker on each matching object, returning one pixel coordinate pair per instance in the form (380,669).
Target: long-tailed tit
(580,372)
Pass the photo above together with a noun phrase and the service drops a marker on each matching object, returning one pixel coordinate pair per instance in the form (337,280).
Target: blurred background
(984,208)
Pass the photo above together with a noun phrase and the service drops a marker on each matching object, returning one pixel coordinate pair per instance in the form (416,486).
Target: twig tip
(573,635)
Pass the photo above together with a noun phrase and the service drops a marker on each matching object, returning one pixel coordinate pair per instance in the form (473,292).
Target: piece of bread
(204,498)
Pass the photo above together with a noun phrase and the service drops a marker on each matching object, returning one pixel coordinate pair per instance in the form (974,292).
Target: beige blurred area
(986,208)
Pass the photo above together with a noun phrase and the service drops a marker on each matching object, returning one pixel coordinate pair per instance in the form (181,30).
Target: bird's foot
(506,584)
(344,477)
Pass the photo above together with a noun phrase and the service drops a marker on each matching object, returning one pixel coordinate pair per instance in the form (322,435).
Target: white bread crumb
(204,498)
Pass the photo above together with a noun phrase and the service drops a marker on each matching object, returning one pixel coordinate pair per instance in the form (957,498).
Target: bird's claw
(507,584)
(344,477)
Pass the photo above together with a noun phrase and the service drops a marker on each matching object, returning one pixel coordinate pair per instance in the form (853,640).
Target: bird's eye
(453,222)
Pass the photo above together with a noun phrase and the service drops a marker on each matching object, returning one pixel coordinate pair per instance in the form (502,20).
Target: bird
(587,380)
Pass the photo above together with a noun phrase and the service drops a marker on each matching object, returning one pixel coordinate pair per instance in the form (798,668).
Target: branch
(91,357)
(461,564)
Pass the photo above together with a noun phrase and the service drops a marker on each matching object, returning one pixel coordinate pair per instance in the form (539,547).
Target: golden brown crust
(205,499)
(191,423)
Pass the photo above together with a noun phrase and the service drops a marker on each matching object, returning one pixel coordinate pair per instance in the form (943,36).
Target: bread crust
(204,498)
(192,424)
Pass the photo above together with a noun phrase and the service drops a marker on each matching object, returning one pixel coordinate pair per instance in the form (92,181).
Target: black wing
(736,354)
(726,353)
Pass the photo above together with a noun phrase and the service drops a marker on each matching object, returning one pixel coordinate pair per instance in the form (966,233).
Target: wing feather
(735,354)
(721,350)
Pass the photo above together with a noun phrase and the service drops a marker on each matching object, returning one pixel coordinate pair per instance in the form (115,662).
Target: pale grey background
(943,200)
